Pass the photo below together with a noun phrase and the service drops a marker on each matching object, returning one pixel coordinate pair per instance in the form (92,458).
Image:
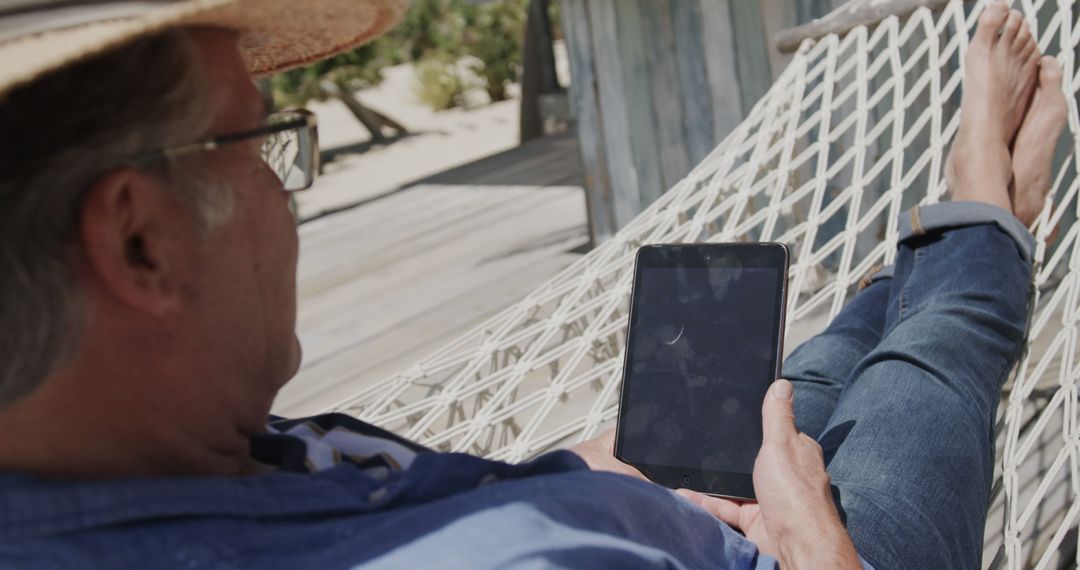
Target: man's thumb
(777,413)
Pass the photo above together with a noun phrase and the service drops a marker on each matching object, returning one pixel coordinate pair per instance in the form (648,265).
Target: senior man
(148,307)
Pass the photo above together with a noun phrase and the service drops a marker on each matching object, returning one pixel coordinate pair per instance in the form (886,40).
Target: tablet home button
(686,480)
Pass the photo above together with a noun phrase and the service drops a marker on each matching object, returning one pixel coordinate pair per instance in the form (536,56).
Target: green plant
(434,28)
(439,31)
(424,29)
(351,71)
(438,84)
(496,40)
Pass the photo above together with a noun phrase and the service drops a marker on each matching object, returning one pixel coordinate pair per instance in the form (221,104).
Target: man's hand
(794,519)
(599,454)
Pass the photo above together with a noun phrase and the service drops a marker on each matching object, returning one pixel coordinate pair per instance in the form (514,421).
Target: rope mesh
(854,132)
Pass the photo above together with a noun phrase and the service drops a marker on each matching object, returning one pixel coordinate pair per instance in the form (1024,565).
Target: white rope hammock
(854,132)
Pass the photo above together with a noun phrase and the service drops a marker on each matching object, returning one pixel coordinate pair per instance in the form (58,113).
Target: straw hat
(40,36)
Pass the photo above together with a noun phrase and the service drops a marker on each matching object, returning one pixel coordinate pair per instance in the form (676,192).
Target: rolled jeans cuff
(936,218)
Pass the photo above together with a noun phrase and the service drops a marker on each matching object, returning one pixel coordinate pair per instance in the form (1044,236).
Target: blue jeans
(901,389)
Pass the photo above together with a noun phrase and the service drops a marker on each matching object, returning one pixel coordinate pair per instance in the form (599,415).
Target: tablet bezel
(709,255)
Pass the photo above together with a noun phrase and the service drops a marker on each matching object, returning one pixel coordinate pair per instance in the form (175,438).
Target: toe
(990,22)
(1012,26)
(1031,59)
(1031,71)
(1049,72)
(1029,53)
(1024,40)
(1030,67)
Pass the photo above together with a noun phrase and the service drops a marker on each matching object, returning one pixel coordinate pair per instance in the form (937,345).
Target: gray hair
(63,132)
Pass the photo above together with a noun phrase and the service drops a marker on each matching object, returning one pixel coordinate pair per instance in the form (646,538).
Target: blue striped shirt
(380,503)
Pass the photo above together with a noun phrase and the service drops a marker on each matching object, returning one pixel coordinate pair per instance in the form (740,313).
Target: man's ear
(130,228)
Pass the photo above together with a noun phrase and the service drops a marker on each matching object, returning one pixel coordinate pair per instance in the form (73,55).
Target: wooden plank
(551,161)
(663,67)
(373,226)
(842,21)
(751,51)
(330,381)
(776,17)
(437,287)
(378,284)
(693,79)
(518,165)
(356,256)
(583,92)
(382,266)
(399,211)
(381,274)
(612,100)
(720,66)
(640,118)
(557,158)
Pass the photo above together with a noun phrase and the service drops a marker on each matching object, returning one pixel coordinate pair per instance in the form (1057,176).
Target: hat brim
(273,35)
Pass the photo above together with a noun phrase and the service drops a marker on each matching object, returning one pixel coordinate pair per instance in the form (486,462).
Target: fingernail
(782,390)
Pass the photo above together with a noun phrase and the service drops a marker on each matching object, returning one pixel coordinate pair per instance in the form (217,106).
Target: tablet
(704,342)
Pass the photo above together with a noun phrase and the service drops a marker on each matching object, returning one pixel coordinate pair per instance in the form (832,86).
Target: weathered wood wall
(658,83)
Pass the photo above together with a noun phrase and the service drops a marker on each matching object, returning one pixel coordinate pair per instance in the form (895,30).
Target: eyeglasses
(290,147)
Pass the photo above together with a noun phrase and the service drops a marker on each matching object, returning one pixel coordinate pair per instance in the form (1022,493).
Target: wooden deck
(383,284)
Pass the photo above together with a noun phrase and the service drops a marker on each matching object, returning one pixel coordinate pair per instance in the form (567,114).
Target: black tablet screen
(701,355)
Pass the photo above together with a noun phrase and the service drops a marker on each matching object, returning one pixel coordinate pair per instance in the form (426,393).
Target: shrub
(496,40)
(353,70)
(433,34)
(438,84)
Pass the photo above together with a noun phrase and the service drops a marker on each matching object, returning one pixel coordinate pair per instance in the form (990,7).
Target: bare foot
(1033,151)
(1000,74)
